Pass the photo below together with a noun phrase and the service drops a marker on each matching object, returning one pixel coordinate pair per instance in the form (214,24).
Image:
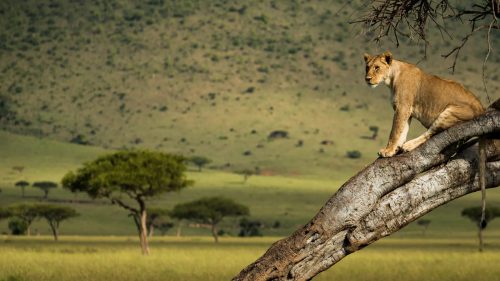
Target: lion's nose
(368,78)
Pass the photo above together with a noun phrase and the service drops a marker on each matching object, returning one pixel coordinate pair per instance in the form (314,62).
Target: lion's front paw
(410,145)
(387,152)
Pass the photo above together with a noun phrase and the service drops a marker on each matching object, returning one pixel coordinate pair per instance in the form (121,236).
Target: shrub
(17,226)
(353,154)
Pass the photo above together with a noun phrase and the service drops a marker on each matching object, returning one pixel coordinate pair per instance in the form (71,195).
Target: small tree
(209,211)
(137,175)
(200,161)
(22,185)
(425,224)
(26,213)
(156,216)
(163,226)
(249,228)
(45,186)
(55,215)
(17,226)
(246,173)
(474,214)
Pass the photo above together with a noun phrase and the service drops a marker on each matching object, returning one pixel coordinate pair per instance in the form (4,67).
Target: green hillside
(210,78)
(291,201)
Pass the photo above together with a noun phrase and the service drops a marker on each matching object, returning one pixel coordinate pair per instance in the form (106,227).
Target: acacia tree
(156,218)
(45,186)
(474,214)
(424,223)
(381,199)
(200,161)
(22,185)
(55,215)
(209,211)
(26,213)
(138,175)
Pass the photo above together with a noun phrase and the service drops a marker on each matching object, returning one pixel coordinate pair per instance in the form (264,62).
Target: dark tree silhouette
(26,213)
(156,217)
(200,161)
(22,185)
(55,215)
(45,186)
(424,223)
(474,214)
(209,211)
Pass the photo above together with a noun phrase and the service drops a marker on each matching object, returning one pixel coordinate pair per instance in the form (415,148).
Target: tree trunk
(381,199)
(22,191)
(55,231)
(151,230)
(143,232)
(179,229)
(214,232)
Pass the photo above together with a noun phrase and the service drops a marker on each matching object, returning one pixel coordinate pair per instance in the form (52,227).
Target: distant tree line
(21,216)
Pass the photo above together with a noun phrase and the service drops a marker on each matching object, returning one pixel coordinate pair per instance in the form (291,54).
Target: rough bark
(214,232)
(143,229)
(384,197)
(54,227)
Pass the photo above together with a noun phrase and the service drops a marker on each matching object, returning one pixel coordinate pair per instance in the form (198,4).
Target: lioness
(437,103)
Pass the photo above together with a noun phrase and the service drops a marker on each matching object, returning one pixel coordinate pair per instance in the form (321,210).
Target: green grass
(292,201)
(198,258)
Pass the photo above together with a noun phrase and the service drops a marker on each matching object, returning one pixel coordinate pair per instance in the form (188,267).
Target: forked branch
(380,200)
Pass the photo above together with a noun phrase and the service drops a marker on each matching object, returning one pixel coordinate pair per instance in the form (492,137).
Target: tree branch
(379,200)
(123,205)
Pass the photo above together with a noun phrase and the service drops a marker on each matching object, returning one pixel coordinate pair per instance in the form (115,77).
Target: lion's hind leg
(449,117)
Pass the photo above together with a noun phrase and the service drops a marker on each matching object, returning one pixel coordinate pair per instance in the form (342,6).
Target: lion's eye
(377,68)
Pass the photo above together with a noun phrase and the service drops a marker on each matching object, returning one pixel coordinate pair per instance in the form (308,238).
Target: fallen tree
(381,199)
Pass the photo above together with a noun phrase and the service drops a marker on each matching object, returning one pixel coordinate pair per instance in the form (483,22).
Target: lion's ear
(388,57)
(367,57)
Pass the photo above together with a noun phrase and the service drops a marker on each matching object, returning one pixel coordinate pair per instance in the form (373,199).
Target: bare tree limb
(411,19)
(379,200)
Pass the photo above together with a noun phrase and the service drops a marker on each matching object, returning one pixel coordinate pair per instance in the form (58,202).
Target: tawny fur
(437,103)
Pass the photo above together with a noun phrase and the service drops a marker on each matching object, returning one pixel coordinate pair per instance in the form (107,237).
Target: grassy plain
(199,259)
(290,200)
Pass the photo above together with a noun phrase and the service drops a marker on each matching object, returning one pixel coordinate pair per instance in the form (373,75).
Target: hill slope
(212,78)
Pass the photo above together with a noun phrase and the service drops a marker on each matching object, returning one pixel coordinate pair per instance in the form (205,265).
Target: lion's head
(377,68)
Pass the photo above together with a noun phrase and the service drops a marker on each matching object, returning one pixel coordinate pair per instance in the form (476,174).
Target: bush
(353,154)
(249,228)
(17,226)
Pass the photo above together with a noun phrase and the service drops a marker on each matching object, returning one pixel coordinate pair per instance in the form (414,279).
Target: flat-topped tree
(45,186)
(22,185)
(209,211)
(200,161)
(26,213)
(54,215)
(138,175)
(474,214)
(155,217)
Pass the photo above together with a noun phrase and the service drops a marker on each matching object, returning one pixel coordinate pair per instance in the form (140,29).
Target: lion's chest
(422,115)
